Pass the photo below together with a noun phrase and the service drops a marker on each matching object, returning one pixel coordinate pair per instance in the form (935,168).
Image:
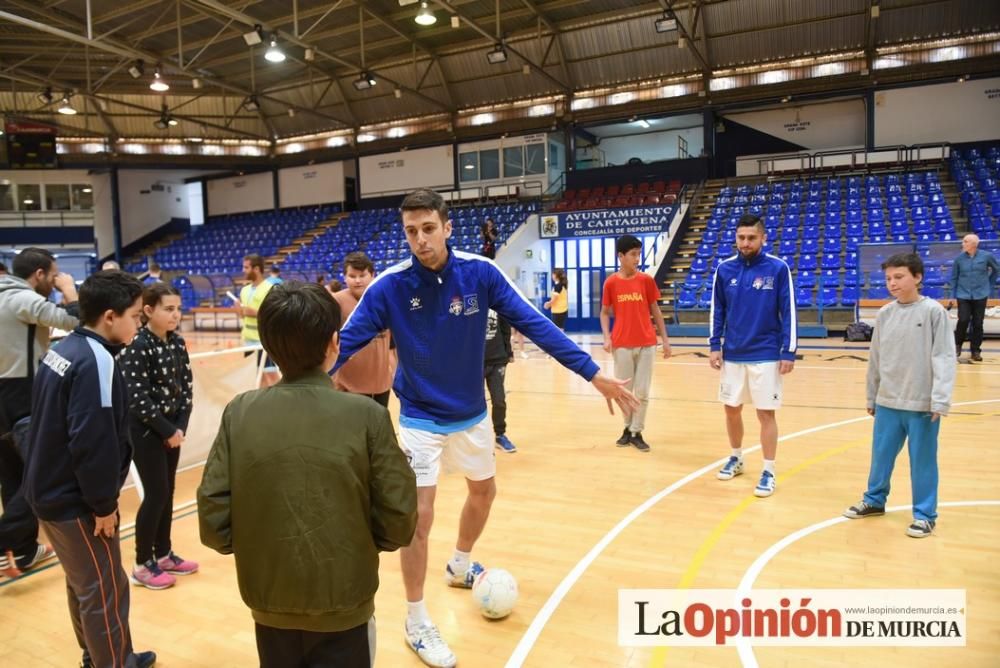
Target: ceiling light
(29,201)
(309,55)
(667,23)
(137,69)
(456,22)
(497,55)
(365,81)
(682,42)
(65,107)
(254,37)
(158,84)
(643,123)
(425,17)
(273,53)
(251,104)
(291,112)
(171,121)
(87,190)
(45,97)
(196,83)
(398,93)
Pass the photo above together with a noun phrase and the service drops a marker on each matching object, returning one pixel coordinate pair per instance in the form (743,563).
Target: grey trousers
(96,589)
(637,365)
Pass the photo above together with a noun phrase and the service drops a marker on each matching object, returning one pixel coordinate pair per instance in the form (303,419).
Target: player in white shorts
(753,341)
(436,305)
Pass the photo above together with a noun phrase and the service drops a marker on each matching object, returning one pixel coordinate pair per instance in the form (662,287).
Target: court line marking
(542,617)
(743,647)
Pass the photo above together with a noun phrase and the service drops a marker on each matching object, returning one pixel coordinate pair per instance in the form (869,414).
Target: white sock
(459,562)
(416,613)
(769,466)
(738,453)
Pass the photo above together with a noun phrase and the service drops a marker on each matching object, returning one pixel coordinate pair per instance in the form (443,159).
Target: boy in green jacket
(305,485)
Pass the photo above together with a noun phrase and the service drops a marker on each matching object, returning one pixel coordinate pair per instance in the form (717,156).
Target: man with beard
(26,315)
(251,297)
(753,341)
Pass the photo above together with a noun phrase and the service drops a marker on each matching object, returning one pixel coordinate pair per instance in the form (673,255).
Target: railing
(535,188)
(859,159)
(46,218)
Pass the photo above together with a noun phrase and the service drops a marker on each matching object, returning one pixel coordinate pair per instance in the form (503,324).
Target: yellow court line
(659,657)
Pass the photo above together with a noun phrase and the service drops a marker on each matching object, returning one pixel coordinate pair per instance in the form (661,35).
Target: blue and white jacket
(438,321)
(753,310)
(78,446)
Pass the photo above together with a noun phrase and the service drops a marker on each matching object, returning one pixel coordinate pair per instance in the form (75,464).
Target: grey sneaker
(862,509)
(920,529)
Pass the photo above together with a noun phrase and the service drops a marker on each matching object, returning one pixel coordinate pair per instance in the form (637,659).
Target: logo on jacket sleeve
(56,362)
(415,303)
(456,306)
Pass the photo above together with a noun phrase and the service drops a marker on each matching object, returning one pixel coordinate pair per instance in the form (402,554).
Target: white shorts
(745,382)
(469,452)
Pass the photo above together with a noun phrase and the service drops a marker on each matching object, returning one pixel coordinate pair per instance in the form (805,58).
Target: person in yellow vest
(251,297)
(558,303)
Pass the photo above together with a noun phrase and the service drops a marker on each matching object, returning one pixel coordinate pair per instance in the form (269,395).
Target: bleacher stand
(817,225)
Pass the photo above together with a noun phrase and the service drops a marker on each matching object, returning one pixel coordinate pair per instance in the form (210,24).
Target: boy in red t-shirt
(632,297)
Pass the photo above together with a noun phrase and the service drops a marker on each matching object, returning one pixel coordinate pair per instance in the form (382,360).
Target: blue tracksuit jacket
(753,310)
(438,321)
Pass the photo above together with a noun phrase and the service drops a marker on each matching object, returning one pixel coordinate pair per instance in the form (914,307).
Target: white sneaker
(463,580)
(733,468)
(765,487)
(426,641)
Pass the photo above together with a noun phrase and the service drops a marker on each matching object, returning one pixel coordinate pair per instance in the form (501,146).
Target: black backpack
(858,331)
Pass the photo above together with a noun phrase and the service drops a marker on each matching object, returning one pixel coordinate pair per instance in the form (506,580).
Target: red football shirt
(630,299)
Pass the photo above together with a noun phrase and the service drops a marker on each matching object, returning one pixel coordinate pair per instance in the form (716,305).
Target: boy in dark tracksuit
(499,353)
(78,457)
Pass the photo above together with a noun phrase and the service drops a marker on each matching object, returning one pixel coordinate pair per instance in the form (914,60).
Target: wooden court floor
(576,519)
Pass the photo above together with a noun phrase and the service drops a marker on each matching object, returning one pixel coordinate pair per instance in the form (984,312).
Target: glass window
(57,197)
(30,196)
(534,159)
(610,258)
(513,161)
(559,255)
(468,164)
(584,260)
(571,284)
(595,253)
(489,164)
(83,197)
(585,281)
(7,197)
(570,255)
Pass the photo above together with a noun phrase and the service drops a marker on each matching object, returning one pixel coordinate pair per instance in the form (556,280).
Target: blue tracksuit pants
(892,427)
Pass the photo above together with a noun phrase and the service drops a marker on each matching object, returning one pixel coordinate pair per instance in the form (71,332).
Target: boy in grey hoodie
(911,374)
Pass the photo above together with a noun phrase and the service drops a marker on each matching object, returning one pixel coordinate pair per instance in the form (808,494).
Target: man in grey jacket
(26,316)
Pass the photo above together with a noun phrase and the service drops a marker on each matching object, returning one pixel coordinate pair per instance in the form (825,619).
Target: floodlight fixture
(666,23)
(497,55)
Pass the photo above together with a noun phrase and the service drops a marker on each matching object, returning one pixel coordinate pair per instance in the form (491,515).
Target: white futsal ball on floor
(495,590)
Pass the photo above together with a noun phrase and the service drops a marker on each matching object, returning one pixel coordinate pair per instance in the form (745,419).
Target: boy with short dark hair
(78,457)
(911,374)
(306,485)
(633,298)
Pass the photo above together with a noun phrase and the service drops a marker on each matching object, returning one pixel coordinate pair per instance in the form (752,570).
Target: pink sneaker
(174,564)
(150,575)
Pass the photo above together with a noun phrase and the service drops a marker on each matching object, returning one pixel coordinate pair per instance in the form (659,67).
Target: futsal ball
(495,590)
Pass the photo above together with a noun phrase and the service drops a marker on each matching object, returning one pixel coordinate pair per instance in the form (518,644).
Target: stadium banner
(606,222)
(792,617)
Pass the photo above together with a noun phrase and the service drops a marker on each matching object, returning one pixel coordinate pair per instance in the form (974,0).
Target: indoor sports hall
(177,138)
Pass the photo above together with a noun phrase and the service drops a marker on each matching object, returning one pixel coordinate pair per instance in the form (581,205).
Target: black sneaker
(920,529)
(640,445)
(862,509)
(958,351)
(625,440)
(142,660)
(977,357)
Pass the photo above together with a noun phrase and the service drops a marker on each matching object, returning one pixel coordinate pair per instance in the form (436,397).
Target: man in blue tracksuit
(753,342)
(436,306)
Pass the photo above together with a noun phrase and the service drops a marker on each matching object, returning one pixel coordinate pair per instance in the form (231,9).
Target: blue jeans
(892,427)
